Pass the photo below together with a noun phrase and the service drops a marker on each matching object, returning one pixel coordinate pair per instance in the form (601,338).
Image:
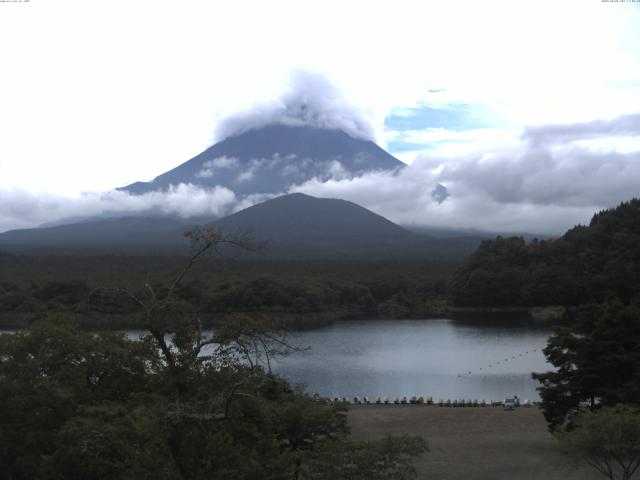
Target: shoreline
(296,322)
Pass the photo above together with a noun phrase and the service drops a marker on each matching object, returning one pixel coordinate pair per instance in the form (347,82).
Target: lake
(438,358)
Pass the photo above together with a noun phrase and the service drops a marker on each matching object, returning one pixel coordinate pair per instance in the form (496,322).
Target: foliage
(587,264)
(597,362)
(177,403)
(608,440)
(48,374)
(301,291)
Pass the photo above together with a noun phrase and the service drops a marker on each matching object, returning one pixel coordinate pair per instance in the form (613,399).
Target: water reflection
(441,358)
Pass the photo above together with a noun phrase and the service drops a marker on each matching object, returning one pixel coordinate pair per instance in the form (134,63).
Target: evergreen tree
(597,363)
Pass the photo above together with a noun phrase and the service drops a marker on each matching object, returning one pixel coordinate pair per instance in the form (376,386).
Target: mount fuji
(270,159)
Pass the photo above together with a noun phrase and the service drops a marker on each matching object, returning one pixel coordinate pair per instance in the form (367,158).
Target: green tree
(597,362)
(48,374)
(587,264)
(177,403)
(608,440)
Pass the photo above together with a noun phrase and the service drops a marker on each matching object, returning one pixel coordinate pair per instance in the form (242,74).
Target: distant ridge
(300,226)
(295,226)
(302,219)
(117,235)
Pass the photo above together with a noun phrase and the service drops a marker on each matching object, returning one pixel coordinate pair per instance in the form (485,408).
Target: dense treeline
(587,264)
(361,291)
(596,270)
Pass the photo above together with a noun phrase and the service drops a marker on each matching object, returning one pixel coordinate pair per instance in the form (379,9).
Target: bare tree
(181,340)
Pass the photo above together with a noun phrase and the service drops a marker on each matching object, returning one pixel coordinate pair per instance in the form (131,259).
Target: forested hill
(587,264)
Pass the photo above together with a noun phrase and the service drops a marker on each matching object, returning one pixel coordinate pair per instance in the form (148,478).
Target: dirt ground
(473,443)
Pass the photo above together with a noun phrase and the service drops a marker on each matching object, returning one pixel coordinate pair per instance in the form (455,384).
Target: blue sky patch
(399,145)
(458,117)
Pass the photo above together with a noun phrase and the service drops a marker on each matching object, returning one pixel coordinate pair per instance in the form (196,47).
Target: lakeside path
(472,443)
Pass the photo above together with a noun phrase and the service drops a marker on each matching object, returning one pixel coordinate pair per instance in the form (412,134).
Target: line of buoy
(513,357)
(514,402)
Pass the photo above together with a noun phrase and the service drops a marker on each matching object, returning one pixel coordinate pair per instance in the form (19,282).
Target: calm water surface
(438,358)
(441,358)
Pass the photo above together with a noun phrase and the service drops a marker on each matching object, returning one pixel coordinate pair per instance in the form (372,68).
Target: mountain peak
(301,219)
(311,100)
(278,128)
(273,158)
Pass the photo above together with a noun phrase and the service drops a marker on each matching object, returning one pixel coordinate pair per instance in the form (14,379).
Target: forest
(300,293)
(589,263)
(78,399)
(177,403)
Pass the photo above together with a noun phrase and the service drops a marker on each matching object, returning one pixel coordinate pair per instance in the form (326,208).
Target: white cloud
(222,162)
(529,186)
(452,144)
(91,115)
(150,97)
(253,165)
(336,171)
(543,180)
(205,173)
(245,176)
(22,209)
(253,199)
(219,163)
(290,170)
(310,100)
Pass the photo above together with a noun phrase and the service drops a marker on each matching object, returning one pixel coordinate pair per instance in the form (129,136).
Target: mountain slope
(304,221)
(301,226)
(130,234)
(295,226)
(296,223)
(272,158)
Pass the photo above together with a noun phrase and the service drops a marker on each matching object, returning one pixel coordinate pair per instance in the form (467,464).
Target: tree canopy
(597,363)
(587,264)
(608,440)
(177,403)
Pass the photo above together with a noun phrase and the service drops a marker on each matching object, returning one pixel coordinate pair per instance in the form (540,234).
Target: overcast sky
(528,112)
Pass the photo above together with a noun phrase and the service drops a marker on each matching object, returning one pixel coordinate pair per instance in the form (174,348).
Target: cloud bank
(311,100)
(21,209)
(546,180)
(624,125)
